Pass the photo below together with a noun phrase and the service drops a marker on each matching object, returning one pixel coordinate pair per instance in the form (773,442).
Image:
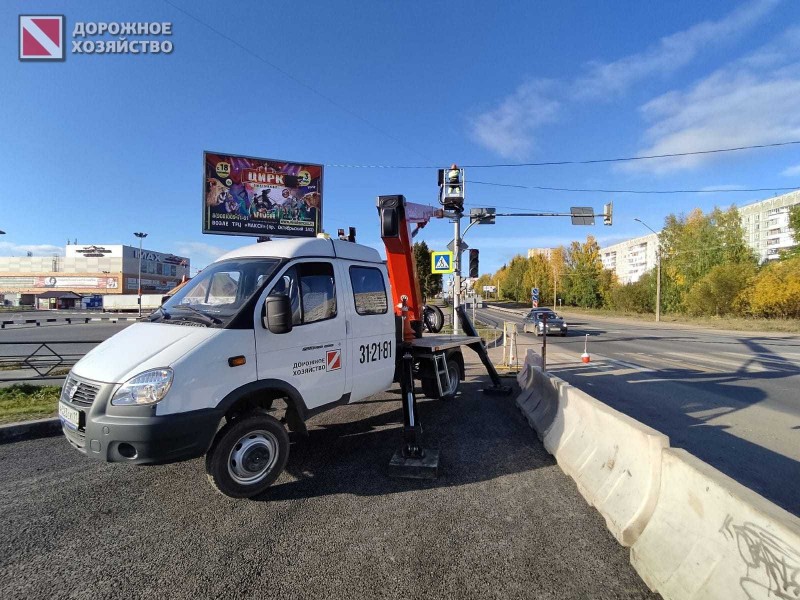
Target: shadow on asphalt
(479,437)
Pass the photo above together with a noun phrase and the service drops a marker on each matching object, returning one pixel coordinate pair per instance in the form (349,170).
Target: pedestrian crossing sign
(441,262)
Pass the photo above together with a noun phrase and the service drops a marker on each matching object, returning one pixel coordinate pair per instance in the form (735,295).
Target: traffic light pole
(456,270)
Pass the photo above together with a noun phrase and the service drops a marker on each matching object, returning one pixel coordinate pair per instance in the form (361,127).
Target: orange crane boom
(396,217)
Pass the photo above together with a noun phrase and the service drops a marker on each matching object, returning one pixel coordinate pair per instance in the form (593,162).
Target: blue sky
(99,146)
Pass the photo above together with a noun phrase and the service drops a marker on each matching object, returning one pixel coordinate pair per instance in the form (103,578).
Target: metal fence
(30,361)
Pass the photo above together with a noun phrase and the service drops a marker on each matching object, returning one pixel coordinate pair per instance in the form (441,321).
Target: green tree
(696,243)
(637,297)
(719,290)
(583,273)
(430,284)
(776,290)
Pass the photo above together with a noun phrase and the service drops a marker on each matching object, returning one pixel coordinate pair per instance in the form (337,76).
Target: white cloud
(671,52)
(510,128)
(749,101)
(7,248)
(791,171)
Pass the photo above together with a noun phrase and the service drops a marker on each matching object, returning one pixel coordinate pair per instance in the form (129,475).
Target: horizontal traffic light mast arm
(543,214)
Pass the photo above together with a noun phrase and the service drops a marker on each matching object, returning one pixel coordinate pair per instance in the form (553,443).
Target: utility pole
(141,235)
(456,270)
(658,269)
(451,196)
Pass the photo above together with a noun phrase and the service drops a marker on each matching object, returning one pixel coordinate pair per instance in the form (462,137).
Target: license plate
(69,416)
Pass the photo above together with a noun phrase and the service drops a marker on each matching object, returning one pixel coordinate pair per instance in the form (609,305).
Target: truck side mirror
(277,314)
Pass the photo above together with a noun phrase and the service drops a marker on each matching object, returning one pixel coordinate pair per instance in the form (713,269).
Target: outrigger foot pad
(424,467)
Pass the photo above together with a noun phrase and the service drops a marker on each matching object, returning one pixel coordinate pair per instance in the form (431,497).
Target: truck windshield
(218,292)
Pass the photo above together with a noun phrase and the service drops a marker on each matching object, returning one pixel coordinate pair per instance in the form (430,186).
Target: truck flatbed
(438,343)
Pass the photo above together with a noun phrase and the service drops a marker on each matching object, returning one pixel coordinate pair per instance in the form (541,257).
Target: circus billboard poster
(261,196)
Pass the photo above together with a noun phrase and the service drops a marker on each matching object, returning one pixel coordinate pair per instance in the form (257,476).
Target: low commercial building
(87,271)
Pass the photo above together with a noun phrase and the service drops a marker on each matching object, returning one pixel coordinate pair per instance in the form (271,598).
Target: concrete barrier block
(614,460)
(712,538)
(538,399)
(524,373)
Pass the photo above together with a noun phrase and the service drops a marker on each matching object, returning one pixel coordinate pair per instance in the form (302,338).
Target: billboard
(259,196)
(81,282)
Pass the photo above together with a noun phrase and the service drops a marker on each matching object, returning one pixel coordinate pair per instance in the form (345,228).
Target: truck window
(312,289)
(220,290)
(369,291)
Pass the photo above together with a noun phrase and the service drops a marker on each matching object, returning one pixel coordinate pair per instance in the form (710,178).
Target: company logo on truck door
(334,360)
(304,367)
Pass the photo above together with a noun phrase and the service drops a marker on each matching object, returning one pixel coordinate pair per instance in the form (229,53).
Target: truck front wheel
(247,456)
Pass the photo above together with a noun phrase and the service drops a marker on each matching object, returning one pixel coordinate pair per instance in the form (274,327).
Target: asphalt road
(730,398)
(501,521)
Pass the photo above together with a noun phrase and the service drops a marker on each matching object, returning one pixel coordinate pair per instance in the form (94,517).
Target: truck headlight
(145,388)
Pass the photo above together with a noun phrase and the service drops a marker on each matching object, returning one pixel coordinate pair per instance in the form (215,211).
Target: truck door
(372,332)
(309,357)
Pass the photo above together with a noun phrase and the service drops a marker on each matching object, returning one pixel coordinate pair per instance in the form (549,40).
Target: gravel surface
(501,521)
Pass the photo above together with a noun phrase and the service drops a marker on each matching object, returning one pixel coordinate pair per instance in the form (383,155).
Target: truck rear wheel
(431,389)
(247,456)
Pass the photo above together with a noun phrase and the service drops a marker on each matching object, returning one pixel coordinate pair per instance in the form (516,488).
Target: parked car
(534,322)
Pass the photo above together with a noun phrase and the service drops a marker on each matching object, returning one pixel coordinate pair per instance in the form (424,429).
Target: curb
(28,430)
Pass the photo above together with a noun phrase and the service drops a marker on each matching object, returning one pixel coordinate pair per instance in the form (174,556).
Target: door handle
(347,326)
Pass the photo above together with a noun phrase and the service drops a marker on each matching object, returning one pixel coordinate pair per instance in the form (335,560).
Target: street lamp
(141,235)
(658,269)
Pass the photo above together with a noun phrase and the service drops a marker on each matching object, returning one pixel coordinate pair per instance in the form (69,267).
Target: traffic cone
(585,356)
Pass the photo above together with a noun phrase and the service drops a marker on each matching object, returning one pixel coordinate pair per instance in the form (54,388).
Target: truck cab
(307,321)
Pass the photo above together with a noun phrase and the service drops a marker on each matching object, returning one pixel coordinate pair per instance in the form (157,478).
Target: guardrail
(66,320)
(31,361)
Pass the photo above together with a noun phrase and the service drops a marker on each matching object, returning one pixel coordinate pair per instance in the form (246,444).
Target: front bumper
(553,329)
(135,434)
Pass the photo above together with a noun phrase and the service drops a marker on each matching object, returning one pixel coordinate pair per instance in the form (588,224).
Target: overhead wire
(609,191)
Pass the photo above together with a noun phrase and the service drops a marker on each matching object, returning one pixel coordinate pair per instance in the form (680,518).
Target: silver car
(534,322)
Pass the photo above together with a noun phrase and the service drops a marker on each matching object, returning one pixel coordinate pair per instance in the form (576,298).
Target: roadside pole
(456,270)
(544,342)
(658,282)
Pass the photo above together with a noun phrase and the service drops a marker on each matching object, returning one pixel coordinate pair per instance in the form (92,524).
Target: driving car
(534,322)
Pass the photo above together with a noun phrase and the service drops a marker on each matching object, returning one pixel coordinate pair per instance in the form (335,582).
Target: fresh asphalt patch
(501,520)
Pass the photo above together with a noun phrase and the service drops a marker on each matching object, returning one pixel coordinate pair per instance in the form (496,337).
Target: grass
(25,402)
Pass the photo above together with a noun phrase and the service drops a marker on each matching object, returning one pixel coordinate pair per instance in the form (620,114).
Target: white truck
(130,302)
(309,322)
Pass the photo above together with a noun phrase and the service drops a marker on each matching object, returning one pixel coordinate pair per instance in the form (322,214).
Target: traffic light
(473,263)
(607,208)
(451,184)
